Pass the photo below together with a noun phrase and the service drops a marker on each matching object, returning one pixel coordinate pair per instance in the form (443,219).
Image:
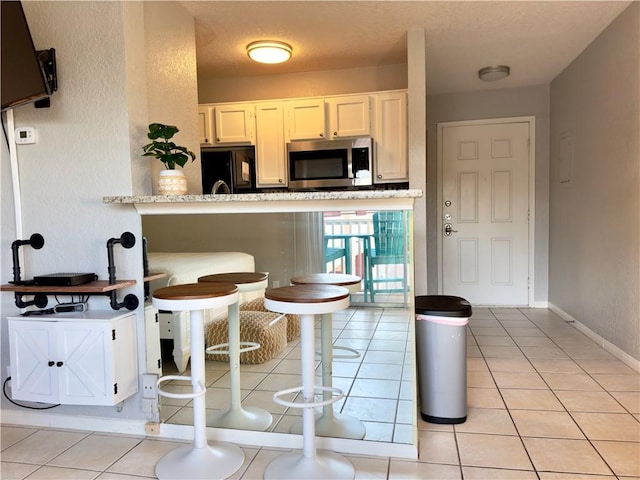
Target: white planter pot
(172,182)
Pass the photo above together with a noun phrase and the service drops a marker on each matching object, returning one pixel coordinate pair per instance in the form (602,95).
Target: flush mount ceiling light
(269,51)
(497,72)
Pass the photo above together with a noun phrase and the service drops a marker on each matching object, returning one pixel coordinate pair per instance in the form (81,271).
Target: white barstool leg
(311,464)
(202,459)
(331,424)
(237,416)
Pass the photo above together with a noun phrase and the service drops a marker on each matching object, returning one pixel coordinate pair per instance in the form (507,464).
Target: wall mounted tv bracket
(127,240)
(47,61)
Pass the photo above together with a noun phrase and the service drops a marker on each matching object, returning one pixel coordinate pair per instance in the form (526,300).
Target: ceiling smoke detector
(496,72)
(269,51)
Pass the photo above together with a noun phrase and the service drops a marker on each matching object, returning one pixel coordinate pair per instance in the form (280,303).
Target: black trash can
(441,353)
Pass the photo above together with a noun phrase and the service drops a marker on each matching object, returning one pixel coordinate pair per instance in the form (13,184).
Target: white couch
(187,268)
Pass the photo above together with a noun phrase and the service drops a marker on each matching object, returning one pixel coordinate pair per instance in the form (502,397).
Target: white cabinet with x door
(87,358)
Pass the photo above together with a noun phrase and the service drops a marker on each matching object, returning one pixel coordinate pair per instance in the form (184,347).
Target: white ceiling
(537,39)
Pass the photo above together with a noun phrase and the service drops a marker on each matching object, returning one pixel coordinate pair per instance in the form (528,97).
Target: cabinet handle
(335,134)
(279,180)
(59,364)
(217,139)
(51,363)
(321,135)
(379,176)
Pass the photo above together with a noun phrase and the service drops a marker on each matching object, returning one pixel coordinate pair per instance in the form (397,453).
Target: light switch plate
(25,135)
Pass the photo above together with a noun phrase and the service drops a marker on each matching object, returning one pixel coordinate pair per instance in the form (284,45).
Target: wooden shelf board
(154,276)
(99,286)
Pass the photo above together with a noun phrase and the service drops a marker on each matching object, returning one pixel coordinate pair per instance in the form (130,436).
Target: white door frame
(532,192)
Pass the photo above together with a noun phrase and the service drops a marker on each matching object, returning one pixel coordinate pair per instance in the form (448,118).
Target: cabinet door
(391,161)
(32,348)
(205,122)
(306,119)
(235,124)
(350,116)
(271,160)
(152,340)
(86,378)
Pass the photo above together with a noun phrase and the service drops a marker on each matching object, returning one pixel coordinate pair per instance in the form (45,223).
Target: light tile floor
(545,402)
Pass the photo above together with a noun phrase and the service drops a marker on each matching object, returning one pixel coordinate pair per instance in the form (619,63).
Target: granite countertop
(268,197)
(270,202)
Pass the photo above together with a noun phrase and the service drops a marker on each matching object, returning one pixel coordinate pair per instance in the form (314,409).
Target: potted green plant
(172,181)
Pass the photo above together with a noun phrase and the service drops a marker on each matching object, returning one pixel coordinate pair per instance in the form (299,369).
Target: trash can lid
(443,306)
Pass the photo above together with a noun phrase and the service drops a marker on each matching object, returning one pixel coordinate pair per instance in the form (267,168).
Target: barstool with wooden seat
(308,301)
(201,459)
(245,418)
(329,423)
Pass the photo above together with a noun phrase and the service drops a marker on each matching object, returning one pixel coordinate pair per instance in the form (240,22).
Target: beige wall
(309,84)
(269,238)
(172,81)
(594,272)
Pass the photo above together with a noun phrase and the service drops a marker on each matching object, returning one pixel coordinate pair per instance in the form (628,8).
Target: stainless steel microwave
(330,163)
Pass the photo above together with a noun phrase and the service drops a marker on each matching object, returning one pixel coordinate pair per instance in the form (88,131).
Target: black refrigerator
(235,166)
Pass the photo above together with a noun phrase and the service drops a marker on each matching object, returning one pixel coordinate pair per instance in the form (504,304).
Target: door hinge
(157,317)
(159,363)
(113,334)
(115,388)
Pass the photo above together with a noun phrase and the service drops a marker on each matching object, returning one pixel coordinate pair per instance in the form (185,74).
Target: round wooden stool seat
(331,424)
(195,296)
(350,282)
(308,300)
(245,281)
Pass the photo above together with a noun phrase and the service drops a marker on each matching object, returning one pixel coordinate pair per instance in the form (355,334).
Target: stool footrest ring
(339,395)
(353,353)
(190,395)
(244,347)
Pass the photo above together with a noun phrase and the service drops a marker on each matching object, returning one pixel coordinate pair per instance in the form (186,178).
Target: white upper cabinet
(349,116)
(205,124)
(235,124)
(271,158)
(390,151)
(306,119)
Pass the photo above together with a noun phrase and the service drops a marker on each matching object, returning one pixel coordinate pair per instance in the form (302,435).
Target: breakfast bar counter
(315,201)
(286,232)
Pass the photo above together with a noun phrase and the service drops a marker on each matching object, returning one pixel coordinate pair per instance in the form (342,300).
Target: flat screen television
(23,76)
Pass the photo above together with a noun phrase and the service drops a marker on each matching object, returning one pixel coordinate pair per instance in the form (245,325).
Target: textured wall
(309,84)
(172,82)
(594,272)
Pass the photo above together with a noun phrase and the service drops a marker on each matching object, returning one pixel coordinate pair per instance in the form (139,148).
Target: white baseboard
(620,354)
(543,304)
(185,432)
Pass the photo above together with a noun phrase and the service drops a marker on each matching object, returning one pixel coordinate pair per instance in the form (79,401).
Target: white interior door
(485,212)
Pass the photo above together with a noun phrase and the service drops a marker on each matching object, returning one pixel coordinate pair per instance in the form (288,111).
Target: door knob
(448,229)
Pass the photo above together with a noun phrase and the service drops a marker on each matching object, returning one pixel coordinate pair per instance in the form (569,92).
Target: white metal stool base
(336,425)
(216,460)
(324,465)
(244,418)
